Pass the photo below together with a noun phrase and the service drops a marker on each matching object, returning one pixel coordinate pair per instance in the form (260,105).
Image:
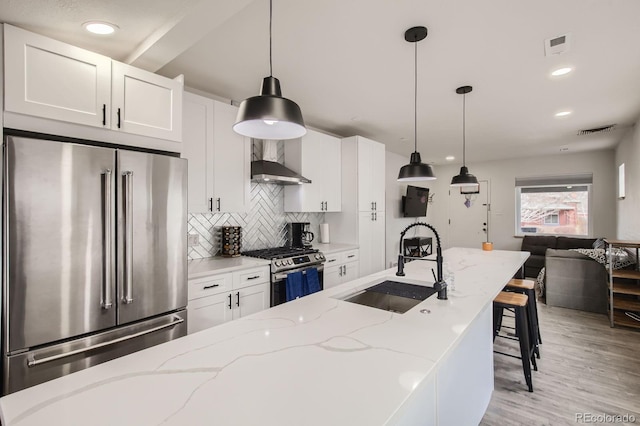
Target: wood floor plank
(585,367)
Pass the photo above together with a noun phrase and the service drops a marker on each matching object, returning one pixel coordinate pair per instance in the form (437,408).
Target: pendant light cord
(415,94)
(270,36)
(464,128)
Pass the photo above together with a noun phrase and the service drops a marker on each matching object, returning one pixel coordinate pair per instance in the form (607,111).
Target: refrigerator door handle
(106,301)
(32,362)
(127,297)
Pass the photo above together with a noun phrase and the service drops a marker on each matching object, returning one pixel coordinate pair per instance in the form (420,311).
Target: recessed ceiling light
(99,27)
(561,71)
(449,158)
(564,149)
(562,113)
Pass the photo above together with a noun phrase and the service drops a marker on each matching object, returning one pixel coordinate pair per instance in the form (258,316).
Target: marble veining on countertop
(218,265)
(316,360)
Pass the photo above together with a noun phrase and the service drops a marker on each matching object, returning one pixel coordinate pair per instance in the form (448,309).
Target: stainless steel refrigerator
(94,256)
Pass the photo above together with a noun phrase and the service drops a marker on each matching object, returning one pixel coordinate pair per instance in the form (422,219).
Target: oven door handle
(283,275)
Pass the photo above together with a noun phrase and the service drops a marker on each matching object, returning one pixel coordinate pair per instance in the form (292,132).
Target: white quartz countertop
(328,248)
(314,361)
(218,265)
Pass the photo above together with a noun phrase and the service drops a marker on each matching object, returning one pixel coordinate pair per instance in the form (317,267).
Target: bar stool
(528,287)
(517,302)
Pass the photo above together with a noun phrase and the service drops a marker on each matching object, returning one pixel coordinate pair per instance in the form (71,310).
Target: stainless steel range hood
(268,170)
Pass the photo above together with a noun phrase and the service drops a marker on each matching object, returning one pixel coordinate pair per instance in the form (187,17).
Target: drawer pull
(207,287)
(351,255)
(331,260)
(254,277)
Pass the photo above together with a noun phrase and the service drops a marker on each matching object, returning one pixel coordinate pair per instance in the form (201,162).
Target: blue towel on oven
(294,286)
(312,281)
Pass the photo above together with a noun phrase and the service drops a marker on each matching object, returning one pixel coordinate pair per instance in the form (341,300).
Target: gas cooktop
(279,252)
(288,258)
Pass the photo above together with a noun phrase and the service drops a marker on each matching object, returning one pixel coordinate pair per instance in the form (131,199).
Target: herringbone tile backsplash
(263,226)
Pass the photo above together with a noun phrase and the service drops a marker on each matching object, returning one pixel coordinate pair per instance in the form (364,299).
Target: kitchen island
(316,360)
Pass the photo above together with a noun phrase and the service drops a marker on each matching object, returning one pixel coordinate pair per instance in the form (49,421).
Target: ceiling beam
(179,34)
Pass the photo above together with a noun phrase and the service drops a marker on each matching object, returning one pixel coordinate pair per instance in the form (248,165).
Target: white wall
(628,152)
(501,176)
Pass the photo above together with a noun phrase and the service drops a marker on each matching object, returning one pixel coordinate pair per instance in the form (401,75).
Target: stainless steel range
(286,260)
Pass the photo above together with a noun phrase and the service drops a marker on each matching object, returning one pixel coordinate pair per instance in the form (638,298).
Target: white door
(365,166)
(351,271)
(207,312)
(249,300)
(378,183)
(55,80)
(378,245)
(313,151)
(333,174)
(332,276)
(197,146)
(365,241)
(468,219)
(231,162)
(145,103)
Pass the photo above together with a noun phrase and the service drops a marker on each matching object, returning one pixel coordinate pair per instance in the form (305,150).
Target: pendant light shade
(269,115)
(464,178)
(416,170)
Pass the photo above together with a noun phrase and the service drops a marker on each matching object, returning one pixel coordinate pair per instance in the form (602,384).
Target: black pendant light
(270,116)
(464,178)
(416,169)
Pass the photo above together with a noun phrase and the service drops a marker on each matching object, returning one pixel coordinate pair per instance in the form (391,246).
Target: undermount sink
(393,296)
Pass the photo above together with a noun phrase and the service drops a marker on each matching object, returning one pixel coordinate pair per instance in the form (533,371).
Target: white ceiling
(348,67)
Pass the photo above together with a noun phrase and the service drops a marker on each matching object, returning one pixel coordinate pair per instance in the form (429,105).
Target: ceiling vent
(557,45)
(603,129)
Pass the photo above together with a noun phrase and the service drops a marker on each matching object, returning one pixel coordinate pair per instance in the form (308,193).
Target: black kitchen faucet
(440,285)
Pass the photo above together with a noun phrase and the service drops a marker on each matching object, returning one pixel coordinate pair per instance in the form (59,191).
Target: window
(554,205)
(552,219)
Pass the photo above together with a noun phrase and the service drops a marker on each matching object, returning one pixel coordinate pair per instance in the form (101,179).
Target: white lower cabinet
(216,299)
(340,268)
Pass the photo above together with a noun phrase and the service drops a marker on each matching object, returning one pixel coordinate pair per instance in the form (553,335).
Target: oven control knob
(277,263)
(317,256)
(289,262)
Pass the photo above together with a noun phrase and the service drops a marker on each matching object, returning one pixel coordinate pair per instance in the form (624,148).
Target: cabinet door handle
(345,270)
(104,114)
(229,301)
(375,205)
(372,216)
(238,298)
(340,271)
(218,204)
(254,277)
(210,204)
(118,118)
(207,287)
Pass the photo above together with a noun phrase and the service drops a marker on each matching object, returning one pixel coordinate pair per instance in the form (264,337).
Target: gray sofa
(573,280)
(537,245)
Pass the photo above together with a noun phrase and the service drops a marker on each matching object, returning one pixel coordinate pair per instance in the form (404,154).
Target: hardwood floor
(585,367)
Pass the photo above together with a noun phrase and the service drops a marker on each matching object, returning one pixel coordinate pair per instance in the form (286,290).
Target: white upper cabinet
(371,175)
(219,159)
(197,148)
(145,103)
(46,78)
(50,79)
(317,157)
(231,162)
